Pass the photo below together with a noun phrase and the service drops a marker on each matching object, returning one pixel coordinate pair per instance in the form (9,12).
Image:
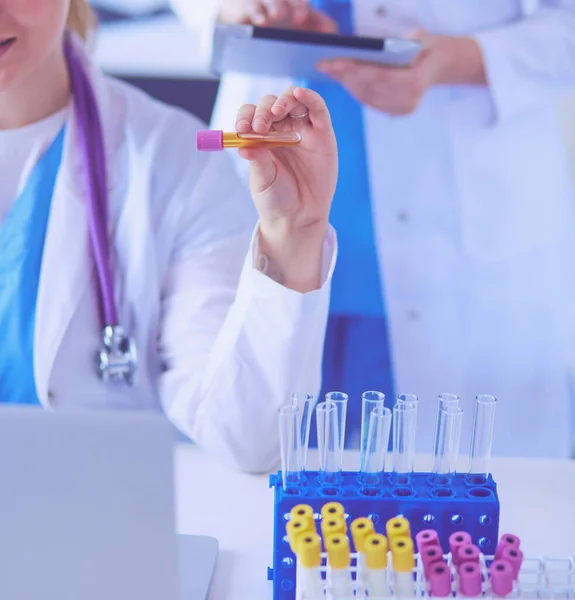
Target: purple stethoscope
(116,360)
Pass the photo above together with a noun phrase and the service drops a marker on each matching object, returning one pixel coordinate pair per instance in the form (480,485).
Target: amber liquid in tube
(261,140)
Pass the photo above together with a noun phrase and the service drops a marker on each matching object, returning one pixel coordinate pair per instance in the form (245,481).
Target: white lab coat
(474,218)
(221,346)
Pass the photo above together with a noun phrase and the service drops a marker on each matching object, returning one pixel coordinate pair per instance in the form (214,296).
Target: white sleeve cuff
(254,284)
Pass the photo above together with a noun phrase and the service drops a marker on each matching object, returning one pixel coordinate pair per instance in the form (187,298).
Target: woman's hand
(293,186)
(444,60)
(296,14)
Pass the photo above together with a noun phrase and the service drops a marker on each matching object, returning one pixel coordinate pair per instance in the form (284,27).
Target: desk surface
(537,503)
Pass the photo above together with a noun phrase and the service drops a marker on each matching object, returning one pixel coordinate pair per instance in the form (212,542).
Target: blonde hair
(81,18)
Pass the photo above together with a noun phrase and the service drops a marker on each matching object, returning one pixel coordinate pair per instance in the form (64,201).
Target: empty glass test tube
(404,429)
(340,400)
(482,436)
(304,403)
(374,445)
(328,443)
(216,140)
(369,401)
(290,447)
(446,446)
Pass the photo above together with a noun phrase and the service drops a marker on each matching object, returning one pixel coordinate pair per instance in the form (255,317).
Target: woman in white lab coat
(228,319)
(471,207)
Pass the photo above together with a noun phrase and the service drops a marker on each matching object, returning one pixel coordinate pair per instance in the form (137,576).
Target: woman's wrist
(293,257)
(457,61)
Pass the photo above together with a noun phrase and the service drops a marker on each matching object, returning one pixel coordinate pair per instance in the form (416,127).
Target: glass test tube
(290,446)
(328,443)
(216,140)
(377,440)
(369,401)
(443,401)
(482,436)
(447,438)
(340,400)
(404,428)
(304,402)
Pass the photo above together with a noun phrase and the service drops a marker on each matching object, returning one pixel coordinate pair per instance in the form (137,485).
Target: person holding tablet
(454,206)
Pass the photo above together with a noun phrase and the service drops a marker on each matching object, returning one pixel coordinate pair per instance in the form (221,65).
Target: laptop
(87,510)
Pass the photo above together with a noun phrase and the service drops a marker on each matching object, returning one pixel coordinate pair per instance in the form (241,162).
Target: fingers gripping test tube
(309,581)
(403,564)
(328,441)
(216,140)
(482,436)
(404,429)
(374,443)
(339,562)
(375,578)
(446,447)
(290,447)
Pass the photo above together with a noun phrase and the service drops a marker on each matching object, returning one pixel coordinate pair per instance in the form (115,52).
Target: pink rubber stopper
(431,556)
(210,141)
(440,580)
(470,579)
(501,577)
(469,553)
(426,538)
(456,541)
(508,539)
(514,557)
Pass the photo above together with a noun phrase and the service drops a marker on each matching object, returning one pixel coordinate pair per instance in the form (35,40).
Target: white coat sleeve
(532,61)
(235,344)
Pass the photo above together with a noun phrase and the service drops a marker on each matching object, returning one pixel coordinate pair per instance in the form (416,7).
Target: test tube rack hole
(469,502)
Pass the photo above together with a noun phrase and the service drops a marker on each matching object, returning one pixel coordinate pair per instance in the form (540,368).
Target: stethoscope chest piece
(117,359)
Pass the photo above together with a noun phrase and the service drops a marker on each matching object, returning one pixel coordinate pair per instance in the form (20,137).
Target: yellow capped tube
(397,527)
(332,509)
(375,579)
(339,560)
(309,581)
(303,511)
(309,550)
(333,526)
(361,528)
(403,564)
(376,551)
(295,528)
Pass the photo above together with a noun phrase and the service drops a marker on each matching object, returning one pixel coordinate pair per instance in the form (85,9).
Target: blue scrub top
(22,236)
(356,286)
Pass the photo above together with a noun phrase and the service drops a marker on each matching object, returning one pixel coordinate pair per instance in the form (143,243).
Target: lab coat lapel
(68,268)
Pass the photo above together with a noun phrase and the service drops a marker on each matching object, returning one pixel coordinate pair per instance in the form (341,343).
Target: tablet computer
(290,53)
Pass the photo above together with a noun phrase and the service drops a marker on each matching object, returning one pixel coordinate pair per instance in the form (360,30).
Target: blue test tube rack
(465,502)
